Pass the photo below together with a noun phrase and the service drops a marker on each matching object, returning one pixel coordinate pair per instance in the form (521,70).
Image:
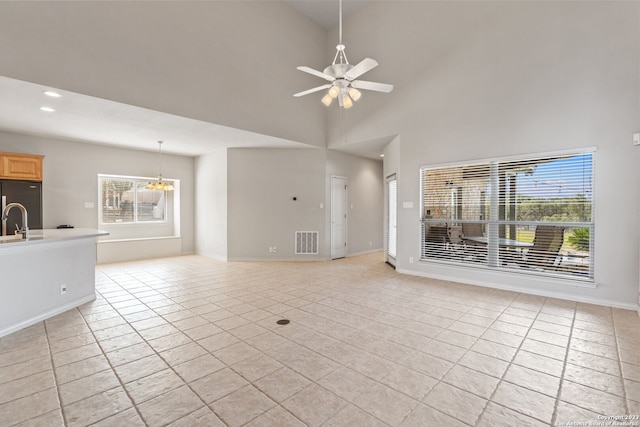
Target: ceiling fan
(342,77)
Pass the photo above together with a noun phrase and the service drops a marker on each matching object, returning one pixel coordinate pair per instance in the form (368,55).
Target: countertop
(53,235)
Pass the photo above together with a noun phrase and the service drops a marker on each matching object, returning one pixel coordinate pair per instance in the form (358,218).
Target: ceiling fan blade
(316,73)
(378,87)
(362,67)
(315,89)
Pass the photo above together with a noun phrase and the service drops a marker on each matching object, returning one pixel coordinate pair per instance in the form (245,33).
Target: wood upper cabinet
(21,166)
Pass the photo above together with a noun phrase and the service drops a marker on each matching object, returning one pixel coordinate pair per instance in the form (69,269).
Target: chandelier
(158,184)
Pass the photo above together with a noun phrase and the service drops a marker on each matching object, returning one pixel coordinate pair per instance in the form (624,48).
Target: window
(125,200)
(532,215)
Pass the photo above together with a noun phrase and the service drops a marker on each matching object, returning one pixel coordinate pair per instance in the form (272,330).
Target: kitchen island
(51,272)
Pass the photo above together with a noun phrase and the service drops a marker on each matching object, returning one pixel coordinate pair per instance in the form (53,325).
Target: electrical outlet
(636,138)
(410,260)
(63,289)
(370,243)
(275,249)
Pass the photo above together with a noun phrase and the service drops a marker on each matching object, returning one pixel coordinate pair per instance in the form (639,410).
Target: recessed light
(52,94)
(47,109)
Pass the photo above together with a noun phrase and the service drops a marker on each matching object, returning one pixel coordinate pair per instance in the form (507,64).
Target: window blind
(125,200)
(532,215)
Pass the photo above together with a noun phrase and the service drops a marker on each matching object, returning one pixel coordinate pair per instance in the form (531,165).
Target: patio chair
(472,229)
(474,250)
(455,242)
(545,251)
(435,241)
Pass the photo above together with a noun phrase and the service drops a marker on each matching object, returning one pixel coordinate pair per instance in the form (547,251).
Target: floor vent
(306,242)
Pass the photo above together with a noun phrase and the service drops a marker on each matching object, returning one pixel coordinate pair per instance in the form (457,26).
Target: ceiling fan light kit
(342,77)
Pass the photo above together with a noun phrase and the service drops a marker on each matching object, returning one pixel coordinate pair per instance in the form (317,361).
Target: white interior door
(392,215)
(338,217)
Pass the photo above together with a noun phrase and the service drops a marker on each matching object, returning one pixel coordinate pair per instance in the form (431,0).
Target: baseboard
(528,290)
(364,252)
(46,315)
(138,249)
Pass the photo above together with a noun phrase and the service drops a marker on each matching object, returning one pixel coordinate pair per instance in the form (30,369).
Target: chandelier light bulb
(333,92)
(354,93)
(327,99)
(346,102)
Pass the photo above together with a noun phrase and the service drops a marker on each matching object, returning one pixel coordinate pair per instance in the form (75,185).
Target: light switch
(636,138)
(407,205)
(89,205)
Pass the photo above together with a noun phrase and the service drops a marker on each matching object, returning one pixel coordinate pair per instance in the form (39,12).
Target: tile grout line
(624,384)
(501,380)
(467,350)
(147,281)
(135,405)
(170,366)
(110,364)
(55,374)
(554,415)
(327,357)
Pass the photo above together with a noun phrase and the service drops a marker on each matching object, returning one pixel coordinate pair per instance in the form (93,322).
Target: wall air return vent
(306,242)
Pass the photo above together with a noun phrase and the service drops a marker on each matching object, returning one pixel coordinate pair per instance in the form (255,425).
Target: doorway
(392,218)
(338,217)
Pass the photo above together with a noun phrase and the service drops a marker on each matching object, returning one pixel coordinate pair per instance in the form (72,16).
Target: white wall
(71,178)
(231,63)
(33,274)
(261,211)
(211,204)
(476,80)
(245,202)
(365,186)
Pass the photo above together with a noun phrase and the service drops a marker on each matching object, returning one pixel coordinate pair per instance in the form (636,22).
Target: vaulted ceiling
(92,119)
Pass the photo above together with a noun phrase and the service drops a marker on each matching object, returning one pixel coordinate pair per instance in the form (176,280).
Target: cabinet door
(21,166)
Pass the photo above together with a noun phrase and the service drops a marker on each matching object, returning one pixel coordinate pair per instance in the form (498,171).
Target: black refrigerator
(28,194)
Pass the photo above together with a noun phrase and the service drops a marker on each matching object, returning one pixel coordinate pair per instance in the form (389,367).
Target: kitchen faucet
(5,214)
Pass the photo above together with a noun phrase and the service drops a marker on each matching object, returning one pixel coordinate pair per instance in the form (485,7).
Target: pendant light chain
(159,184)
(160,152)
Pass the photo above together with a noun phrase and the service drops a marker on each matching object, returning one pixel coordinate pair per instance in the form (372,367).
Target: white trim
(47,314)
(526,290)
(363,252)
(314,258)
(108,175)
(391,259)
(346,219)
(34,246)
(529,156)
(109,251)
(135,222)
(545,278)
(494,221)
(139,239)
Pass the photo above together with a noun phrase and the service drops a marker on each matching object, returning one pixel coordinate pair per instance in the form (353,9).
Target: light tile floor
(190,341)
